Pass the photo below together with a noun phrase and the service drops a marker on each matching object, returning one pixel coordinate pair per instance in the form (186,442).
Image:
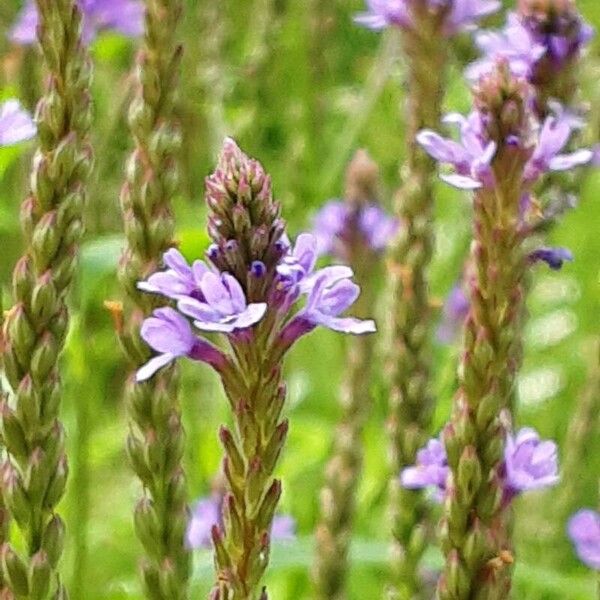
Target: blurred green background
(300,87)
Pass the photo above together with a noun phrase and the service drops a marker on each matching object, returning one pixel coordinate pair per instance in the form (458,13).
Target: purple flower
(335,223)
(531,463)
(460,14)
(471,157)
(178,280)
(515,43)
(170,334)
(431,468)
(15,123)
(330,295)
(456,309)
(207,512)
(123,16)
(224,307)
(553,137)
(553,257)
(584,531)
(297,268)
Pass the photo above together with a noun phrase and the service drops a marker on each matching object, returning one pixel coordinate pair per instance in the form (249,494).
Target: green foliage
(301,95)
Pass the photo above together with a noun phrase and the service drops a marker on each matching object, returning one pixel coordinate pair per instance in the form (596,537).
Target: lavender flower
(169,333)
(224,307)
(529,464)
(515,43)
(431,468)
(207,512)
(584,531)
(333,227)
(15,124)
(472,157)
(179,280)
(123,16)
(457,15)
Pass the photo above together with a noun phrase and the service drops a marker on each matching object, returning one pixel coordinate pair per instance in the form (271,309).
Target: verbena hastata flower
(123,16)
(584,531)
(424,27)
(207,513)
(16,124)
(529,464)
(472,155)
(254,297)
(455,15)
(542,41)
(503,152)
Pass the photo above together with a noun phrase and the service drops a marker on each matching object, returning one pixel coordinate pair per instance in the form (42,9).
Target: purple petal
(564,162)
(15,124)
(216,293)
(252,315)
(343,324)
(168,332)
(440,148)
(462,182)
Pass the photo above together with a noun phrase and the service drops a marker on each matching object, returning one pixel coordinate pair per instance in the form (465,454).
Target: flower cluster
(335,223)
(529,464)
(123,16)
(454,15)
(15,124)
(584,531)
(207,512)
(213,296)
(472,155)
(538,41)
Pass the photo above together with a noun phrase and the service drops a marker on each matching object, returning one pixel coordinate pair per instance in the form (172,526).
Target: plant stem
(411,403)
(156,441)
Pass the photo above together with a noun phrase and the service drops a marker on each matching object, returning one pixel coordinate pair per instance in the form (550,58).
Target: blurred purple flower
(515,43)
(207,512)
(178,280)
(333,226)
(15,123)
(456,309)
(170,334)
(123,16)
(224,307)
(461,14)
(553,257)
(531,463)
(431,468)
(584,531)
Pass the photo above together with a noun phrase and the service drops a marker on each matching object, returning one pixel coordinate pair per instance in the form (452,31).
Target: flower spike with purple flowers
(455,15)
(246,294)
(584,531)
(123,16)
(15,123)
(503,153)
